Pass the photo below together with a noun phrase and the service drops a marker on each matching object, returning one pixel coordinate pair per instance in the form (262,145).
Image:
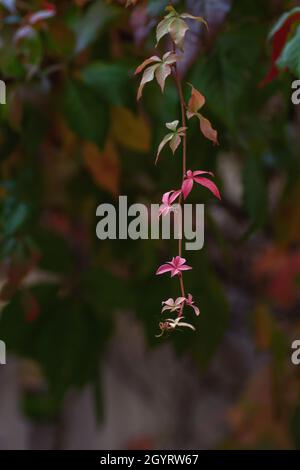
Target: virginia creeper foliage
(155,68)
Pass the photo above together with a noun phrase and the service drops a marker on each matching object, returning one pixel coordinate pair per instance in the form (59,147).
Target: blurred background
(79,316)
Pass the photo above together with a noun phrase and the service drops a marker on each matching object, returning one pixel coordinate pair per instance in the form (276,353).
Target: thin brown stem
(183,119)
(184,139)
(182,294)
(184,148)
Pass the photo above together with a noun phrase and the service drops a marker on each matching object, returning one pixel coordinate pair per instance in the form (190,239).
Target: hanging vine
(160,68)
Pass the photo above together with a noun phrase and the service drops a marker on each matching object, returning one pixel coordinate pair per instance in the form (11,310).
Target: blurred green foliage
(67,145)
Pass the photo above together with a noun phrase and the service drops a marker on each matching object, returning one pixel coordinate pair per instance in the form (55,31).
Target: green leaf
(68,338)
(100,288)
(86,114)
(290,56)
(16,219)
(92,23)
(110,81)
(225,76)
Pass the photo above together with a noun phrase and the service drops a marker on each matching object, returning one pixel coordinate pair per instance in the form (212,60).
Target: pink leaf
(175,266)
(185,268)
(166,197)
(196,310)
(174,195)
(149,61)
(187,187)
(164,269)
(169,302)
(179,261)
(209,185)
(201,172)
(190,302)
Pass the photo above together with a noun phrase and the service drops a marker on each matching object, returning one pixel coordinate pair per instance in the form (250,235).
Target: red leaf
(279,40)
(209,185)
(207,130)
(196,101)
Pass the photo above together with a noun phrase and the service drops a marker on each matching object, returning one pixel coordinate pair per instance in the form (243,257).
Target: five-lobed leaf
(175,25)
(148,76)
(173,138)
(160,69)
(199,177)
(147,62)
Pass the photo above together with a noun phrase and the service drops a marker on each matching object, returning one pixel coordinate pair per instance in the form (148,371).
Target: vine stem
(183,119)
(184,154)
